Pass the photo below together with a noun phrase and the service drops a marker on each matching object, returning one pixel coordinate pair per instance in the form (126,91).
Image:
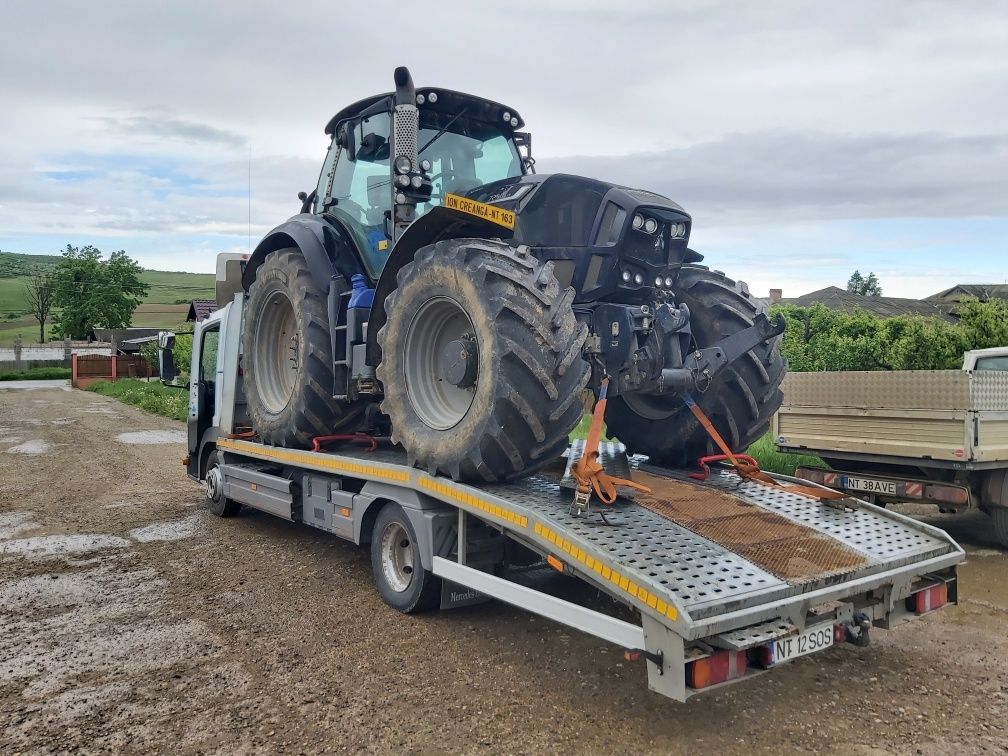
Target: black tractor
(435,288)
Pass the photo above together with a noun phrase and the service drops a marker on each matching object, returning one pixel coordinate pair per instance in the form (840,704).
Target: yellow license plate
(492,213)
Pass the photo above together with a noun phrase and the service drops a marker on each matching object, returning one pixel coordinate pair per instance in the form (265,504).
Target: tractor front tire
(481,361)
(287,356)
(741,399)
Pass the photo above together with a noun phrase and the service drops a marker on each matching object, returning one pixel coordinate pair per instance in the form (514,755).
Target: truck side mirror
(166,360)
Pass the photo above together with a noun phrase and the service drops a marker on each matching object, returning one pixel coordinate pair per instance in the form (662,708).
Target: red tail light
(717,668)
(928,600)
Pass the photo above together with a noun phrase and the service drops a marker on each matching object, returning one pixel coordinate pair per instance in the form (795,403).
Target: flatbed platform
(694,585)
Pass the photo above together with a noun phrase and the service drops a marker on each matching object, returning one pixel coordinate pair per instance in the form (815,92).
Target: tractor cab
(394,157)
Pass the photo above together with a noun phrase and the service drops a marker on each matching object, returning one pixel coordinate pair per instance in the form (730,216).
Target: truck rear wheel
(740,401)
(401,579)
(999,517)
(287,354)
(481,361)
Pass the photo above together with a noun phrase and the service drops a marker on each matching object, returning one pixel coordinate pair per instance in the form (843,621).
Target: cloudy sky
(806,139)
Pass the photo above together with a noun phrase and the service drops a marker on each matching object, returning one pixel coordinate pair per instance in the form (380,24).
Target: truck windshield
(992,363)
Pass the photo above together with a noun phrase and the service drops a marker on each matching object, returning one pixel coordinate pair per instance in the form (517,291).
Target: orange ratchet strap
(588,471)
(746,466)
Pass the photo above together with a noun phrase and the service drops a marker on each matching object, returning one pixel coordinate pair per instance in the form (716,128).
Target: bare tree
(39,293)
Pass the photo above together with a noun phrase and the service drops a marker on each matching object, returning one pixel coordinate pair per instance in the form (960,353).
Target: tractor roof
(448,101)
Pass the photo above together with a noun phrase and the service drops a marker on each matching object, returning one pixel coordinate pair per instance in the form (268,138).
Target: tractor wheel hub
(459,362)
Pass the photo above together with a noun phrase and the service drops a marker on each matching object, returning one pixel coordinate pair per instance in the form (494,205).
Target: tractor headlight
(402,180)
(416,181)
(420,99)
(432,97)
(650,226)
(626,276)
(403,164)
(425,165)
(638,221)
(638,279)
(507,117)
(658,281)
(669,281)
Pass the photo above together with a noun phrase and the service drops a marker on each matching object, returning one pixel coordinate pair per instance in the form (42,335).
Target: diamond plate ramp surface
(785,548)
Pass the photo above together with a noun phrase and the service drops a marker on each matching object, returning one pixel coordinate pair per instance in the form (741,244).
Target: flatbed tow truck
(714,580)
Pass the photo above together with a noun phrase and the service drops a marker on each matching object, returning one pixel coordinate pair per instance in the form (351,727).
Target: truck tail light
(948,494)
(719,667)
(928,599)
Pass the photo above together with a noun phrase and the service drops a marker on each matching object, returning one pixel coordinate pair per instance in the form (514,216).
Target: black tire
(287,359)
(999,519)
(217,503)
(522,397)
(740,401)
(406,590)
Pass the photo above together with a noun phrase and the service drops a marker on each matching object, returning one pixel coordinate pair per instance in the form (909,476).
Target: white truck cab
(995,358)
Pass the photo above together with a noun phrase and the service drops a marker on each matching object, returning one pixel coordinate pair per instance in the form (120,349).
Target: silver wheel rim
(437,402)
(397,557)
(276,352)
(213,484)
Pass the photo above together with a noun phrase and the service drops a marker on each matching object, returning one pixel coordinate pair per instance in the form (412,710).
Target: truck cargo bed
(950,417)
(698,577)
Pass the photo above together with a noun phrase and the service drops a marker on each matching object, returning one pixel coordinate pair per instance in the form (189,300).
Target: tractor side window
(323,182)
(208,358)
(361,190)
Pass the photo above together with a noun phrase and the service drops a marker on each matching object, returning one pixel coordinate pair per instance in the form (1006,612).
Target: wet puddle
(35,446)
(152,437)
(167,531)
(59,546)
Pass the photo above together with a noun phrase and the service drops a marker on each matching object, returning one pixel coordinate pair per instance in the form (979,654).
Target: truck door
(204,397)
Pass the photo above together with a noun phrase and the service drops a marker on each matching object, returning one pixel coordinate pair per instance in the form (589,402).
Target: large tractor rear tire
(481,361)
(287,355)
(740,401)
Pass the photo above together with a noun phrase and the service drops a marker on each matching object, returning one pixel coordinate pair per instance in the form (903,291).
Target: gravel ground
(132,620)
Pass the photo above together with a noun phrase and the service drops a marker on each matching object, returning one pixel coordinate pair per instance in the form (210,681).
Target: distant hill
(165,288)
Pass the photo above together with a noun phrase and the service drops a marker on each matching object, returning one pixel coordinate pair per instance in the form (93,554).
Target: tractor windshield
(468,154)
(464,154)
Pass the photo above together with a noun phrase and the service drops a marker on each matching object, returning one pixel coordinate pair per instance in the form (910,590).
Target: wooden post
(73,369)
(115,366)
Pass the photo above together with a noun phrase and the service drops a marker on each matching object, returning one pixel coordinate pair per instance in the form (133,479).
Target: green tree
(39,293)
(94,293)
(984,324)
(818,338)
(862,286)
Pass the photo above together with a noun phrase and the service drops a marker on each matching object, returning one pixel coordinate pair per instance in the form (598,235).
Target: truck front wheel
(213,482)
(401,579)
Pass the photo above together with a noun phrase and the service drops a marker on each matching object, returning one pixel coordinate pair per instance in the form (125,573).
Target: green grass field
(36,374)
(157,311)
(151,397)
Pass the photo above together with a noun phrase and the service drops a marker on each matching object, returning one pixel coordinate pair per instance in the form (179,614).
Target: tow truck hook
(857,629)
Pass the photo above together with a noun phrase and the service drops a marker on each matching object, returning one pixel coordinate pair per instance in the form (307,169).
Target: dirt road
(131,619)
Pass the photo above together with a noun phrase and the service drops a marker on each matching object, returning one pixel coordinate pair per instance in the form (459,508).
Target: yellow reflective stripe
(312,459)
(466,498)
(606,573)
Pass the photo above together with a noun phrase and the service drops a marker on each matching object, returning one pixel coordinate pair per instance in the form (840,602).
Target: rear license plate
(870,486)
(813,639)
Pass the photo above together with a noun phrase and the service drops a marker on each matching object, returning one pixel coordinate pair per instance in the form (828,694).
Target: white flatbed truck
(719,580)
